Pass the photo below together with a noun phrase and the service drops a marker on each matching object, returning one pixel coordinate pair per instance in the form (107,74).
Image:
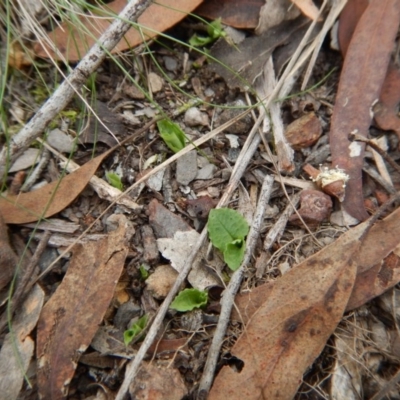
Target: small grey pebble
(170,63)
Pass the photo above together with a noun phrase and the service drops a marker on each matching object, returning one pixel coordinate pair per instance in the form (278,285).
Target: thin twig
(233,287)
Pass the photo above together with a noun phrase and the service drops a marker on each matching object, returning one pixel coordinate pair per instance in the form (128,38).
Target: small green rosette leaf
(172,135)
(227,230)
(135,330)
(189,299)
(114,180)
(234,253)
(225,226)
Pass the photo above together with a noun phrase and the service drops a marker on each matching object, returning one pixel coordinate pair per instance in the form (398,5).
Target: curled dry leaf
(363,73)
(72,316)
(386,110)
(158,17)
(348,20)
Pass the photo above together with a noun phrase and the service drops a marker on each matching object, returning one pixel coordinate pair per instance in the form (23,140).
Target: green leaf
(114,180)
(225,226)
(199,41)
(172,135)
(215,29)
(144,274)
(227,230)
(189,299)
(234,253)
(135,330)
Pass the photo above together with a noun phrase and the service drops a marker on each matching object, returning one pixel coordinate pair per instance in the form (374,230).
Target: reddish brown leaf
(168,347)
(237,13)
(49,199)
(348,20)
(362,76)
(73,43)
(72,316)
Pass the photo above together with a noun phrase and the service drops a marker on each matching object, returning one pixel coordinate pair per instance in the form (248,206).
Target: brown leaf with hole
(73,43)
(291,328)
(363,73)
(49,199)
(242,14)
(72,316)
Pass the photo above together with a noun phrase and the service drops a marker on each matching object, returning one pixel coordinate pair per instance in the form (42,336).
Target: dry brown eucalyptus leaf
(71,317)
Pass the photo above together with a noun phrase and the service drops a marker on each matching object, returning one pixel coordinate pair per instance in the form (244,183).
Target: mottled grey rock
(186,168)
(207,172)
(164,222)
